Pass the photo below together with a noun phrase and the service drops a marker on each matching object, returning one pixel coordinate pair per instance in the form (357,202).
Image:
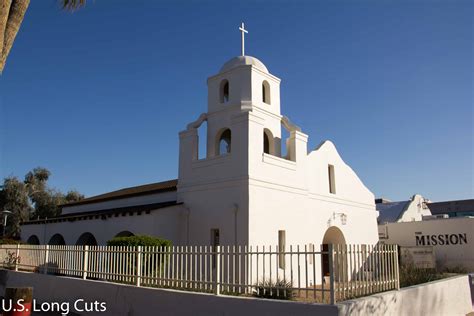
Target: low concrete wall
(132,301)
(450,296)
(443,297)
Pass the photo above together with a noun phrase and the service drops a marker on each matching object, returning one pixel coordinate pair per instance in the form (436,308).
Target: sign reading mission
(441,239)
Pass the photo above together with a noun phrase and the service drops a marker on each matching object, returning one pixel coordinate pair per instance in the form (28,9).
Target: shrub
(153,260)
(455,269)
(9,241)
(139,240)
(411,275)
(281,289)
(11,259)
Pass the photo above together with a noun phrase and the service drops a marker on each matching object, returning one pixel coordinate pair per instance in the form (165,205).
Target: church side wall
(294,196)
(165,223)
(305,220)
(348,186)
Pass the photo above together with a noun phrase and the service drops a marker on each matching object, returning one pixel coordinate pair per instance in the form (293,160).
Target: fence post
(217,287)
(46,259)
(139,265)
(397,268)
(85,263)
(17,256)
(331,273)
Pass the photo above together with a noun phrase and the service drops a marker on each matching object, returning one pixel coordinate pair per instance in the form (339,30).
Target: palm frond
(72,5)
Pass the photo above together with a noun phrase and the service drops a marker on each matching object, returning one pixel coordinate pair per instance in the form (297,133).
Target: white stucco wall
(222,206)
(165,223)
(301,204)
(439,298)
(448,254)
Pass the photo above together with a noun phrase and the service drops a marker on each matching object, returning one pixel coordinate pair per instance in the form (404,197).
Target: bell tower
(243,92)
(242,87)
(243,127)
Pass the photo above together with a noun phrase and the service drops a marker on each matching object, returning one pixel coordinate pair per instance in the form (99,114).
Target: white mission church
(244,192)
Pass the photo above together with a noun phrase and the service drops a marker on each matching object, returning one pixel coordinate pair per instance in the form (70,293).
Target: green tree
(16,200)
(73,196)
(44,199)
(32,199)
(48,203)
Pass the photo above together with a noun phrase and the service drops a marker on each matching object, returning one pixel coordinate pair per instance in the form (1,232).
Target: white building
(402,211)
(244,192)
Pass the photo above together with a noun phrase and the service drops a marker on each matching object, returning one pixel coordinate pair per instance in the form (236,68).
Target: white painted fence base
(125,300)
(443,297)
(451,296)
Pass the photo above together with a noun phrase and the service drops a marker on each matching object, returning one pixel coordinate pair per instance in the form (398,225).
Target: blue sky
(99,96)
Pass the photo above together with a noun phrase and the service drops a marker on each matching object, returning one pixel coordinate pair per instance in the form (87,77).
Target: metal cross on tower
(243,31)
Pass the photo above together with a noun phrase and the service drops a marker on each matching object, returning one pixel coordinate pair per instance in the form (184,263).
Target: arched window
(57,239)
(224,91)
(33,240)
(268,146)
(224,142)
(266,92)
(266,143)
(86,239)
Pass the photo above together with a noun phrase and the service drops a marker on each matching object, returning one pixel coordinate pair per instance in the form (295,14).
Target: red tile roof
(129,192)
(104,213)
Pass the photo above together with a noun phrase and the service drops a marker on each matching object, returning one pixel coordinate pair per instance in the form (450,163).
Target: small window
(266,92)
(224,143)
(332,179)
(268,147)
(224,91)
(281,248)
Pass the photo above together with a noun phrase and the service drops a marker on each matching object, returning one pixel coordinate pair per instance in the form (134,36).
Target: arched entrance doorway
(332,236)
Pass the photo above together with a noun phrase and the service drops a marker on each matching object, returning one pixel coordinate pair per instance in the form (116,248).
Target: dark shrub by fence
(9,241)
(153,252)
(411,275)
(139,240)
(281,289)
